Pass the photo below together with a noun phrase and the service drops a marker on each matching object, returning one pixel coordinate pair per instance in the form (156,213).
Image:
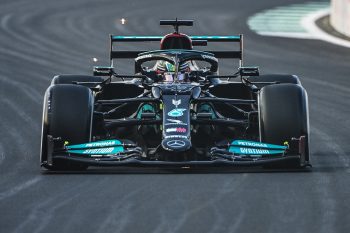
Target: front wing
(116,153)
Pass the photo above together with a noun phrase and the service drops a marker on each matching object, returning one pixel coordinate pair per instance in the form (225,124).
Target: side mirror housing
(103,71)
(249,71)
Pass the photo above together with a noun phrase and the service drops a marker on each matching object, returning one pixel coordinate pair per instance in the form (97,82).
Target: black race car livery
(175,110)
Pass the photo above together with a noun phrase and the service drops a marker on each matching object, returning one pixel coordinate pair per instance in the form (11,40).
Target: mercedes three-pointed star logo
(176,143)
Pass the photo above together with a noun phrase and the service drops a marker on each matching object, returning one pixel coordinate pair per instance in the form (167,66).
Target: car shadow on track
(128,170)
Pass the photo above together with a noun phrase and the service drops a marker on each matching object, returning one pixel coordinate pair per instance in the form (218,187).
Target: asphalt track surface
(41,38)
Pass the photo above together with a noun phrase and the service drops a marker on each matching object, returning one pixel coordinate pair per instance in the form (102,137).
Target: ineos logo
(176,143)
(177,112)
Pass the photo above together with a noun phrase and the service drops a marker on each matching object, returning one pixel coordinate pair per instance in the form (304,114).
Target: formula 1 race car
(175,111)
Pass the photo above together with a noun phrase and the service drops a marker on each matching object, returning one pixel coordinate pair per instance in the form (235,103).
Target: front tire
(68,111)
(283,114)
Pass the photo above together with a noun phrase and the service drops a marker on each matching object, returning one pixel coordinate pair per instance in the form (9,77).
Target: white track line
(297,35)
(309,24)
(295,21)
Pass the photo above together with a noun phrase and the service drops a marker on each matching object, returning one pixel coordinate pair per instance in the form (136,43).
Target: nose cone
(176,144)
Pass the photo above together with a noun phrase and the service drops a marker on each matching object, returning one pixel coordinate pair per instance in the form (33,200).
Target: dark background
(41,38)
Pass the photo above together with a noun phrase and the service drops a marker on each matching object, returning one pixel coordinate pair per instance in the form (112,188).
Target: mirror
(103,71)
(249,71)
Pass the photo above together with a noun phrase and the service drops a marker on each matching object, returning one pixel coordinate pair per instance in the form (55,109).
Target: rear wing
(234,54)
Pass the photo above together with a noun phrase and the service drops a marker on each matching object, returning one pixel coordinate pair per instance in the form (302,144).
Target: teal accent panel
(136,37)
(244,143)
(99,151)
(145,108)
(105,143)
(160,37)
(253,151)
(215,37)
(207,109)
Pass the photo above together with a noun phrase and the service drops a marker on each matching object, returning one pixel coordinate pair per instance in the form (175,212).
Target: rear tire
(68,111)
(69,79)
(283,114)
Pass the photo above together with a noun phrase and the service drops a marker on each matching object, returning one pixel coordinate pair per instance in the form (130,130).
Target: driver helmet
(164,66)
(168,69)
